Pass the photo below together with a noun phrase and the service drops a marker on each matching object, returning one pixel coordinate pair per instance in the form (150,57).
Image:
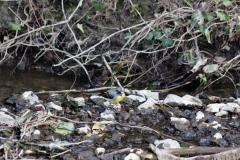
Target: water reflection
(33,80)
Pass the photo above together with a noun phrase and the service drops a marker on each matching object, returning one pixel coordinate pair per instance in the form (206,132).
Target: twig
(110,70)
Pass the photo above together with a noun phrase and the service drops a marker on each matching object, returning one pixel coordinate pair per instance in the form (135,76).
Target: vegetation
(176,39)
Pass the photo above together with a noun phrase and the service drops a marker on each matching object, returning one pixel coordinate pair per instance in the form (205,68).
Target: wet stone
(188,134)
(206,141)
(221,142)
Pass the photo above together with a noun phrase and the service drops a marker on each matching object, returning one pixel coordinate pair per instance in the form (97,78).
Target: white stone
(215,107)
(132,156)
(221,113)
(199,116)
(108,115)
(149,104)
(79,100)
(180,123)
(172,98)
(135,97)
(6,119)
(30,97)
(215,125)
(84,130)
(148,94)
(100,151)
(54,106)
(192,101)
(217,136)
(167,144)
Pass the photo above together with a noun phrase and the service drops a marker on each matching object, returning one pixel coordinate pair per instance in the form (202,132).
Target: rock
(205,141)
(167,144)
(237,101)
(231,107)
(108,115)
(79,100)
(221,113)
(218,139)
(84,130)
(54,106)
(135,97)
(214,107)
(132,156)
(99,100)
(188,135)
(149,104)
(100,151)
(148,94)
(191,101)
(36,135)
(186,101)
(199,116)
(30,97)
(6,119)
(180,123)
(217,136)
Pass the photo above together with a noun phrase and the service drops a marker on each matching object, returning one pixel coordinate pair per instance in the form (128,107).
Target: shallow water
(33,80)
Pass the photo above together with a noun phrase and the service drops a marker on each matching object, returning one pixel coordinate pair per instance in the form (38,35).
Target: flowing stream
(33,80)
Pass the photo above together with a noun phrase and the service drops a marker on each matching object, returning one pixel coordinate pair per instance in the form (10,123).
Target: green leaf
(217,1)
(65,128)
(210,68)
(202,28)
(207,34)
(156,9)
(6,130)
(223,16)
(227,3)
(127,36)
(197,16)
(151,87)
(237,27)
(109,82)
(150,36)
(166,42)
(134,6)
(210,17)
(203,79)
(157,33)
(166,30)
(14,26)
(99,6)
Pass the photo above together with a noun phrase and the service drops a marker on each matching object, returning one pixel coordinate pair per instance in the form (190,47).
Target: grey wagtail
(116,94)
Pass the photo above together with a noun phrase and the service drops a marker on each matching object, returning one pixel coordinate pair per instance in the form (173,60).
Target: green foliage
(222,15)
(127,36)
(210,68)
(227,3)
(66,99)
(14,26)
(134,6)
(203,79)
(166,30)
(166,42)
(64,128)
(99,6)
(156,33)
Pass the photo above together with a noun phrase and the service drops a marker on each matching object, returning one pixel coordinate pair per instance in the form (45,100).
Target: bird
(116,95)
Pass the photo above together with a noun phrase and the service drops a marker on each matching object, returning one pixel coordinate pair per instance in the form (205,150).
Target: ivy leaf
(210,68)
(166,30)
(227,3)
(150,36)
(237,27)
(208,16)
(157,33)
(99,6)
(166,42)
(14,26)
(127,36)
(134,6)
(207,34)
(65,128)
(217,1)
(202,28)
(223,16)
(197,17)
